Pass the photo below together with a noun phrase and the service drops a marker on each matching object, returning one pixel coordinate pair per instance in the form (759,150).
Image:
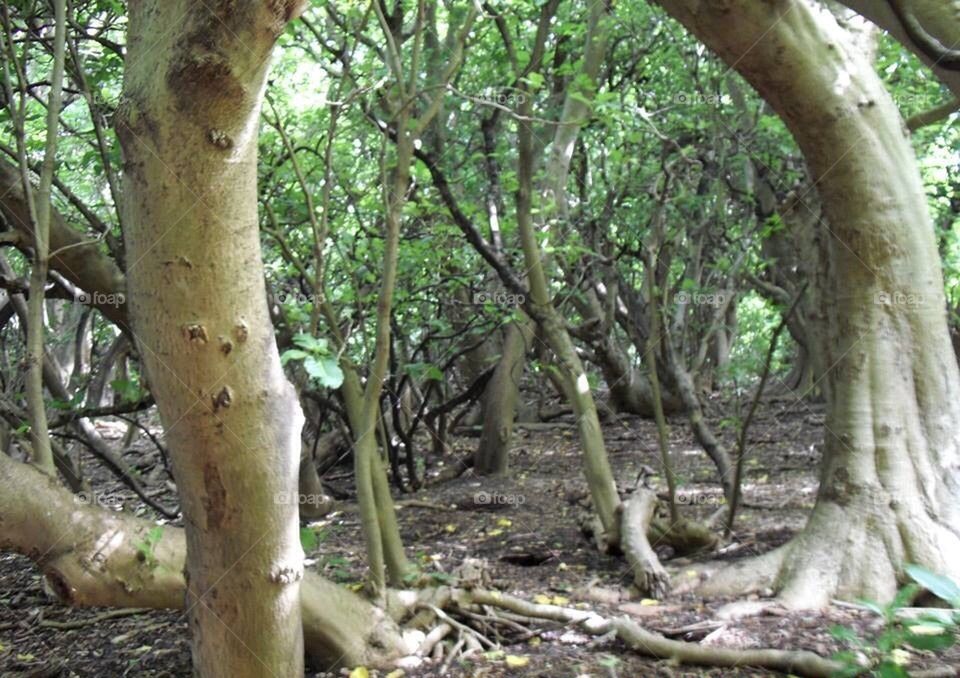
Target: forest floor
(524,529)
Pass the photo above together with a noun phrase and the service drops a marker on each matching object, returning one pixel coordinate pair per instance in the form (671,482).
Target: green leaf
(535,80)
(128,390)
(845,634)
(310,343)
(927,641)
(324,370)
(292,354)
(940,586)
(441,577)
(902,599)
(425,371)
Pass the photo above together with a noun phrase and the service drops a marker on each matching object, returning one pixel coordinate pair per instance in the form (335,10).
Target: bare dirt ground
(524,528)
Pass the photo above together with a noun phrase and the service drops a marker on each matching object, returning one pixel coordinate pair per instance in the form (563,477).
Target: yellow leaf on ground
(504,522)
(560,600)
(515,662)
(494,533)
(450,528)
(360,672)
(396,674)
(541,599)
(649,601)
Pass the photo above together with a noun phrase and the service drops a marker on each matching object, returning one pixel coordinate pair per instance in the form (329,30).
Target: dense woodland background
(460,338)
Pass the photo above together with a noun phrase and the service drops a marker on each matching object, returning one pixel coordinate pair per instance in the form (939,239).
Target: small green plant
(146,547)
(886,655)
(336,567)
(310,538)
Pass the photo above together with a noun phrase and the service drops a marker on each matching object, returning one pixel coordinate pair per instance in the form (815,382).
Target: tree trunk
(500,400)
(630,389)
(889,483)
(552,325)
(938,18)
(194,82)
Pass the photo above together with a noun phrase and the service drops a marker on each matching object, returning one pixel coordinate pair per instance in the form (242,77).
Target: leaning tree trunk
(193,86)
(552,325)
(889,492)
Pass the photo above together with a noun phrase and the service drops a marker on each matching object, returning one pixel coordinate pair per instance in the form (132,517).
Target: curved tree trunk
(193,86)
(889,484)
(938,18)
(630,388)
(552,325)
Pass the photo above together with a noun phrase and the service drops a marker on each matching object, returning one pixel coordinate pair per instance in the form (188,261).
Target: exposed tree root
(651,644)
(845,552)
(746,576)
(640,531)
(92,556)
(648,574)
(96,557)
(92,621)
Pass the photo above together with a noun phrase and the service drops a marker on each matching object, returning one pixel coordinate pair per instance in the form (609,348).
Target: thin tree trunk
(40,209)
(576,385)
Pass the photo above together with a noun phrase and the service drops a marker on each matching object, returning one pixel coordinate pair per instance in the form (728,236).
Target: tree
(888,491)
(193,87)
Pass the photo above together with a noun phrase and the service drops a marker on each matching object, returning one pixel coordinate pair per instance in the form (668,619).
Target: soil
(525,531)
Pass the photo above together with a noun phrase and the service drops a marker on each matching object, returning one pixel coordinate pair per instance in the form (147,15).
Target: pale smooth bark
(889,483)
(939,18)
(568,365)
(193,88)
